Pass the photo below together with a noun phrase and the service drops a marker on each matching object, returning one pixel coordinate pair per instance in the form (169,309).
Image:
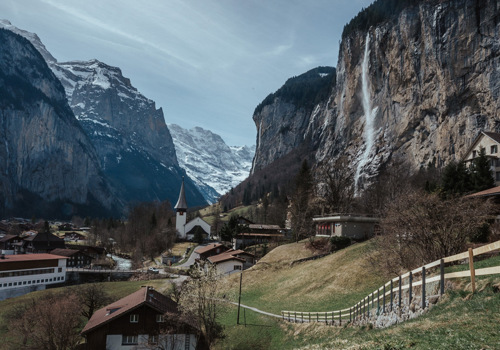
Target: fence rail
(392,291)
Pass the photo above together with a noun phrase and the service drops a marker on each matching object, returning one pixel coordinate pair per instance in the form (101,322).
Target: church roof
(181,202)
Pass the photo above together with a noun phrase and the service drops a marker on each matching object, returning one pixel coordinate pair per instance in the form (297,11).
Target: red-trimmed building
(145,319)
(25,273)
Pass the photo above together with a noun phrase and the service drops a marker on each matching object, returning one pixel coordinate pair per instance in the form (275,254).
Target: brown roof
(208,248)
(263,227)
(31,257)
(144,296)
(260,234)
(223,257)
(7,238)
(239,252)
(64,252)
(495,191)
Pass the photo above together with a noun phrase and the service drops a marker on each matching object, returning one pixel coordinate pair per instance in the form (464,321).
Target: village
(47,255)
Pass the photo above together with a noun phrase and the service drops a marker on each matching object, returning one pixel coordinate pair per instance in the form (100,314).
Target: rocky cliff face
(133,142)
(214,166)
(134,146)
(46,160)
(431,83)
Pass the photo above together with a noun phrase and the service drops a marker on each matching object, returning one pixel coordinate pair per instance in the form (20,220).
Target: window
(153,339)
(494,149)
(474,154)
(497,176)
(160,318)
(130,340)
(59,269)
(237,267)
(134,318)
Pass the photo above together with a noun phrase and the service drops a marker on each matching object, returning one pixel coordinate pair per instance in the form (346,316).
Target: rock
(433,299)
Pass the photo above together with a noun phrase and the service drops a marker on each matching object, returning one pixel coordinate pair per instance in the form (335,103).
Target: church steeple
(181,208)
(181,202)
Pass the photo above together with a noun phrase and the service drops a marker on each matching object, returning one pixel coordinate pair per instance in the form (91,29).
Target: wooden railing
(393,290)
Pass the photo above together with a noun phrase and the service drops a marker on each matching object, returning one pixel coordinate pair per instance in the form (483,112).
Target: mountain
(214,166)
(414,82)
(48,166)
(133,144)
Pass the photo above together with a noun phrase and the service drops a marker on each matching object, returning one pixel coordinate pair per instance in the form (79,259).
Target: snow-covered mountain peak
(32,37)
(214,166)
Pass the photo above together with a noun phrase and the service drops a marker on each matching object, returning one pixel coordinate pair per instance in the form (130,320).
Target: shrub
(339,242)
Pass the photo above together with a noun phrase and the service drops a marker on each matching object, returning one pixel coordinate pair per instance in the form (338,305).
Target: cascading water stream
(369,130)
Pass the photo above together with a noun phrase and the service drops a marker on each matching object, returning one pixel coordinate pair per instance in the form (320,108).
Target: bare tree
(47,323)
(202,300)
(336,186)
(420,227)
(91,298)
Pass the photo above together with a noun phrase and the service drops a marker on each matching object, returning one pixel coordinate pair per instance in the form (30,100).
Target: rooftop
(30,257)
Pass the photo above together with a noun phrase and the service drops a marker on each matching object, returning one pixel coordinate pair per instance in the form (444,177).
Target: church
(188,230)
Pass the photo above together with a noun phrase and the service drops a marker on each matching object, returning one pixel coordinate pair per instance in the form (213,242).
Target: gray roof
(181,202)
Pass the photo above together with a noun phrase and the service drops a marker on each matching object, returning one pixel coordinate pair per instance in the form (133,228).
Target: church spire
(181,202)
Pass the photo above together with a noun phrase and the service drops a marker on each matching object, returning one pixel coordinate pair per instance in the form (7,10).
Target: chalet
(258,234)
(73,236)
(346,225)
(75,257)
(8,243)
(25,273)
(92,251)
(145,319)
(39,242)
(210,250)
(232,261)
(490,142)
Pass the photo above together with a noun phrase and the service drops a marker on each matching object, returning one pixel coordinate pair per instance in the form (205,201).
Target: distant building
(25,273)
(75,257)
(145,319)
(41,242)
(490,142)
(345,225)
(188,230)
(232,261)
(210,250)
(8,243)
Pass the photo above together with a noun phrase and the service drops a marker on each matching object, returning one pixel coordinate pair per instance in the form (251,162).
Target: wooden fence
(393,290)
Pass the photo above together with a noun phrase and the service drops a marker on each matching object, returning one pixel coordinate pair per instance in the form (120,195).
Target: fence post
(378,300)
(340,317)
(410,296)
(423,287)
(383,301)
(399,294)
(441,269)
(350,315)
(391,296)
(309,317)
(472,271)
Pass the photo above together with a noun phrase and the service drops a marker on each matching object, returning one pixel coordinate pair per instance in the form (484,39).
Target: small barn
(345,225)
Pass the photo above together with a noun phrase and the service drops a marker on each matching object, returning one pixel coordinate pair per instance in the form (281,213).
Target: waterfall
(369,130)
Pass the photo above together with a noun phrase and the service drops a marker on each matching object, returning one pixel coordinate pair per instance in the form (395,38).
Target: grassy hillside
(333,282)
(460,321)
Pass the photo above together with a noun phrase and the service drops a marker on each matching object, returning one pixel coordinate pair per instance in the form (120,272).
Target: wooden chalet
(41,242)
(145,319)
(76,258)
(211,250)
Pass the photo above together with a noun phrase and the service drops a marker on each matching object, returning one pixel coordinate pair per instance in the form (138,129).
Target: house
(345,225)
(490,142)
(75,257)
(232,261)
(144,319)
(210,250)
(257,234)
(25,273)
(94,252)
(188,230)
(73,236)
(7,243)
(39,242)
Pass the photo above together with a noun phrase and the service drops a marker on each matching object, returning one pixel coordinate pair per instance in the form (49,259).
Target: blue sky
(207,63)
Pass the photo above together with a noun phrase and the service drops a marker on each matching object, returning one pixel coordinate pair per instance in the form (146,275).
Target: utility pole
(239,299)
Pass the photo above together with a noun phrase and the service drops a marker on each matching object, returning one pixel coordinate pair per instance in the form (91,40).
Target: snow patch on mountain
(214,166)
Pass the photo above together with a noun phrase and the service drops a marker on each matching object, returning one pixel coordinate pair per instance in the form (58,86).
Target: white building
(187,230)
(25,273)
(490,142)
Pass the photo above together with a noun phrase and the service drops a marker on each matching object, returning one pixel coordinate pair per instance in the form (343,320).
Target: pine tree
(481,175)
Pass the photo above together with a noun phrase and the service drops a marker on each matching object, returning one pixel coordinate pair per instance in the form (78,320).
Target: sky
(206,63)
